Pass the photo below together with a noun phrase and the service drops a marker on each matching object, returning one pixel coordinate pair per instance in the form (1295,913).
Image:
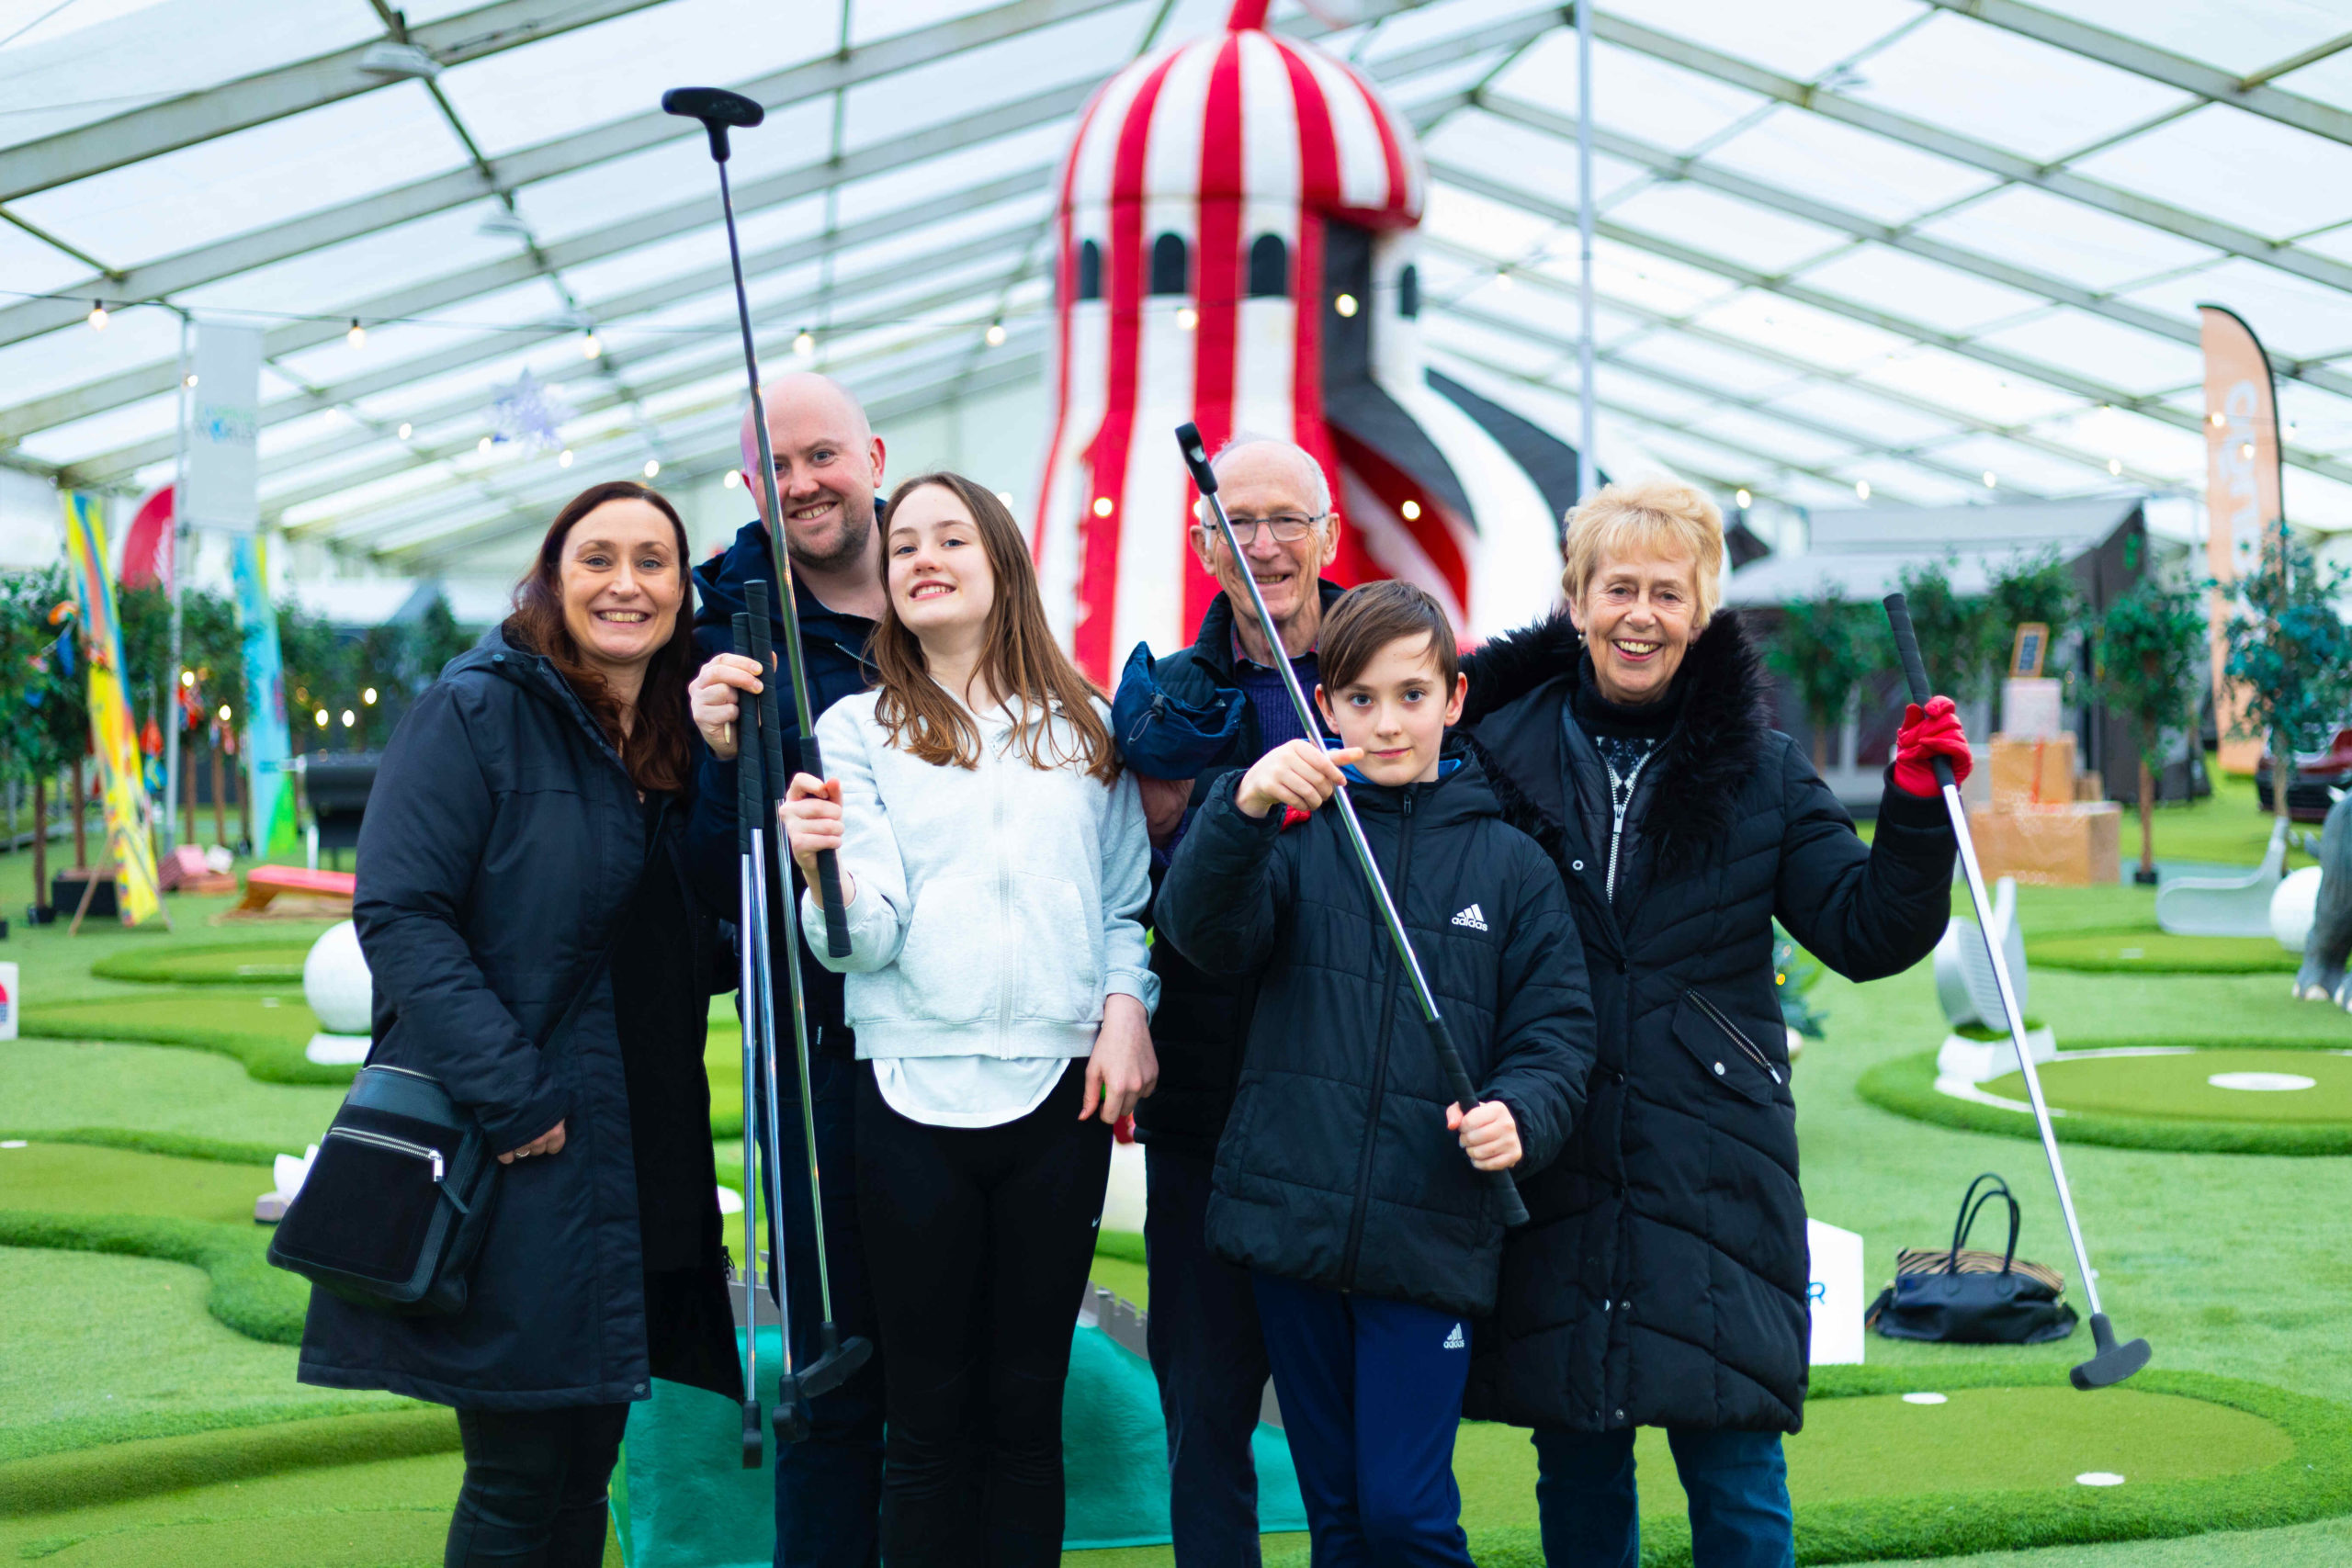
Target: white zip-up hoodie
(996,908)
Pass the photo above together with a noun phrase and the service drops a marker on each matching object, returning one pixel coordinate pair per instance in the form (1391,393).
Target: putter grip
(747,762)
(1914,672)
(1196,457)
(829,866)
(1466,1095)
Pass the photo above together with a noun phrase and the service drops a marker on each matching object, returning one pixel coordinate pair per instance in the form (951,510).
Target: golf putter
(838,1358)
(749,1271)
(2111,1363)
(718,109)
(789,1419)
(1457,1077)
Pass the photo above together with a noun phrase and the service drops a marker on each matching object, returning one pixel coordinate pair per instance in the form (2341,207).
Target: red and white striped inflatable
(1235,246)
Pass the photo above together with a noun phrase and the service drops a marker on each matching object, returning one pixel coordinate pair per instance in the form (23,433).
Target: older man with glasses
(1205,1349)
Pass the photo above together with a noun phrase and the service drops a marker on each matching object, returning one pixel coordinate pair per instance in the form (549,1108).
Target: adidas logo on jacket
(1336,1169)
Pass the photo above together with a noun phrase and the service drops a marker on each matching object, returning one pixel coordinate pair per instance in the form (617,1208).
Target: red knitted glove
(1927,733)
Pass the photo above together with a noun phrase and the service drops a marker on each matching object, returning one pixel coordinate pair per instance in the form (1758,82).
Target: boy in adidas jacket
(1347,1180)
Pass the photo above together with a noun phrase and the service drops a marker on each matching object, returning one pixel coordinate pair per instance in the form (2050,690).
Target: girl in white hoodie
(994,862)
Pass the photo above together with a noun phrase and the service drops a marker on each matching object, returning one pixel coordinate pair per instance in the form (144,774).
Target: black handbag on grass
(398,1201)
(1961,1295)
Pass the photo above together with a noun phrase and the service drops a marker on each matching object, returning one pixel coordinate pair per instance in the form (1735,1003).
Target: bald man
(1203,1332)
(828,472)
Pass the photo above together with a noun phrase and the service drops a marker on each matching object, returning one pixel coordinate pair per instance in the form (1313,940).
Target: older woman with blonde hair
(1662,1281)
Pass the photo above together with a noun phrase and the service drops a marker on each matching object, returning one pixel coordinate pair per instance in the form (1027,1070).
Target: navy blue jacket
(503,842)
(833,650)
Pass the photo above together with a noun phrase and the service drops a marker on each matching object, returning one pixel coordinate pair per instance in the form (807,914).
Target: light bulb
(2216,417)
(2115,466)
(188,677)
(995,335)
(652,468)
(1745,500)
(563,458)
(482,445)
(732,482)
(1861,490)
(1502,279)
(368,696)
(806,343)
(1990,480)
(98,317)
(2247,451)
(1006,497)
(405,427)
(589,347)
(190,379)
(322,717)
(358,336)
(1102,506)
(224,713)
(1187,318)
(349,718)
(1411,509)
(1345,304)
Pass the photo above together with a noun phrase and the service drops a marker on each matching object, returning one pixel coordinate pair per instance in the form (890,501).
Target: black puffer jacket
(1202,1020)
(501,844)
(1662,1281)
(1336,1167)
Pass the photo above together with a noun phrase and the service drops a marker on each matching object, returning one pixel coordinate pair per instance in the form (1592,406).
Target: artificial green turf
(47,1086)
(107,1349)
(246,1293)
(2139,952)
(1907,1085)
(70,1178)
(252,963)
(265,1031)
(83,1478)
(2173,1087)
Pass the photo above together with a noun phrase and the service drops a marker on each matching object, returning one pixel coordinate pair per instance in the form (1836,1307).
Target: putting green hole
(2198,1085)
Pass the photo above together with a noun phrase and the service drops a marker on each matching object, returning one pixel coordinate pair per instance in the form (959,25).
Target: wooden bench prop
(317,894)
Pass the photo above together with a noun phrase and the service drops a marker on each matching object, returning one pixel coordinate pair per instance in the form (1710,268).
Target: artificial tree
(1949,627)
(2027,588)
(1828,645)
(2150,641)
(2290,654)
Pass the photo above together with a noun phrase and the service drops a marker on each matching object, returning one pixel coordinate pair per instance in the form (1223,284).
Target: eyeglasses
(1288,528)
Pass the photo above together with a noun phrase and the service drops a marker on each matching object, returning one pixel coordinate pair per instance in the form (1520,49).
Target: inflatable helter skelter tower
(1235,246)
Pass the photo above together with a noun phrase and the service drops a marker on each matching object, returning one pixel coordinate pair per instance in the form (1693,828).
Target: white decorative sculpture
(336,985)
(1964,985)
(2294,907)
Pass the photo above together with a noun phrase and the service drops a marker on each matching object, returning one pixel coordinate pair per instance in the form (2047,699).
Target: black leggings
(534,1496)
(978,1241)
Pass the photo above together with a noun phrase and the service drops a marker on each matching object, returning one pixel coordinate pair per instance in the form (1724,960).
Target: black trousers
(978,1241)
(534,1493)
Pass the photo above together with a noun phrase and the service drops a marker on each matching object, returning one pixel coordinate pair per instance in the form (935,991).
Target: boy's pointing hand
(1488,1135)
(1297,773)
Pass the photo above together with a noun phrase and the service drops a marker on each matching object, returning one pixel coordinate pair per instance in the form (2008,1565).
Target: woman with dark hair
(523,907)
(1662,1278)
(994,860)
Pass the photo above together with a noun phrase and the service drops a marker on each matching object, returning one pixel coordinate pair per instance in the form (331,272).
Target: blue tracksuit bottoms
(1371,1394)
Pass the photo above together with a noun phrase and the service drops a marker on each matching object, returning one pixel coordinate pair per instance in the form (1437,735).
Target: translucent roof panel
(341,275)
(1080,51)
(2064,239)
(1799,331)
(1521,157)
(2239,36)
(2288,313)
(1661,104)
(1725,225)
(1872,419)
(1917,289)
(1851,168)
(1803,41)
(2120,356)
(2255,173)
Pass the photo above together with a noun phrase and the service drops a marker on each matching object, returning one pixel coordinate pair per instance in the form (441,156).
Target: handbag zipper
(1716,1016)
(397,1145)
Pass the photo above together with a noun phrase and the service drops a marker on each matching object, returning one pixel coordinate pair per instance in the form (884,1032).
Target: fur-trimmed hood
(1520,682)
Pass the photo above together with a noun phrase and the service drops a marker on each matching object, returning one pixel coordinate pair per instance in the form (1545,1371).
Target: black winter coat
(1336,1167)
(1662,1281)
(832,648)
(1202,1020)
(501,846)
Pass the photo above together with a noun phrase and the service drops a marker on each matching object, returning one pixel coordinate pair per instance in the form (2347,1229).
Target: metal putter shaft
(837,1359)
(719,109)
(1457,1077)
(2111,1362)
(760,1178)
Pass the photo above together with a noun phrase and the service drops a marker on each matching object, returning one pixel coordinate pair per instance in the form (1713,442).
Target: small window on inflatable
(1169,265)
(1269,267)
(1408,292)
(1090,271)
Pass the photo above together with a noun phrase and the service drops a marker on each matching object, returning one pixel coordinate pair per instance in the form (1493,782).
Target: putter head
(791,1418)
(717,109)
(840,1362)
(1196,457)
(2111,1363)
(752,1436)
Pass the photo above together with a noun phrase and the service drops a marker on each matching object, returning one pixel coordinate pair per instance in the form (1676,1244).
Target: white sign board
(8,1002)
(1834,1294)
(2031,710)
(223,476)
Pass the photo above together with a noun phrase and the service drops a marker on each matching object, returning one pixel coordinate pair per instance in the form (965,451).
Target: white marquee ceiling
(1901,244)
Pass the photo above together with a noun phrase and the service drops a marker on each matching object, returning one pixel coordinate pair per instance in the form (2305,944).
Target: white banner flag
(223,489)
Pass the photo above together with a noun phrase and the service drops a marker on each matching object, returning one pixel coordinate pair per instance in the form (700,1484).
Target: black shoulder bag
(1966,1296)
(399,1197)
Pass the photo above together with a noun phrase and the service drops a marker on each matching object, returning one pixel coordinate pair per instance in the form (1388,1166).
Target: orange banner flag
(2242,492)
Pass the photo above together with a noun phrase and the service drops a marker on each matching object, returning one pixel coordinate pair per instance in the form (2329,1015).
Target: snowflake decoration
(528,414)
